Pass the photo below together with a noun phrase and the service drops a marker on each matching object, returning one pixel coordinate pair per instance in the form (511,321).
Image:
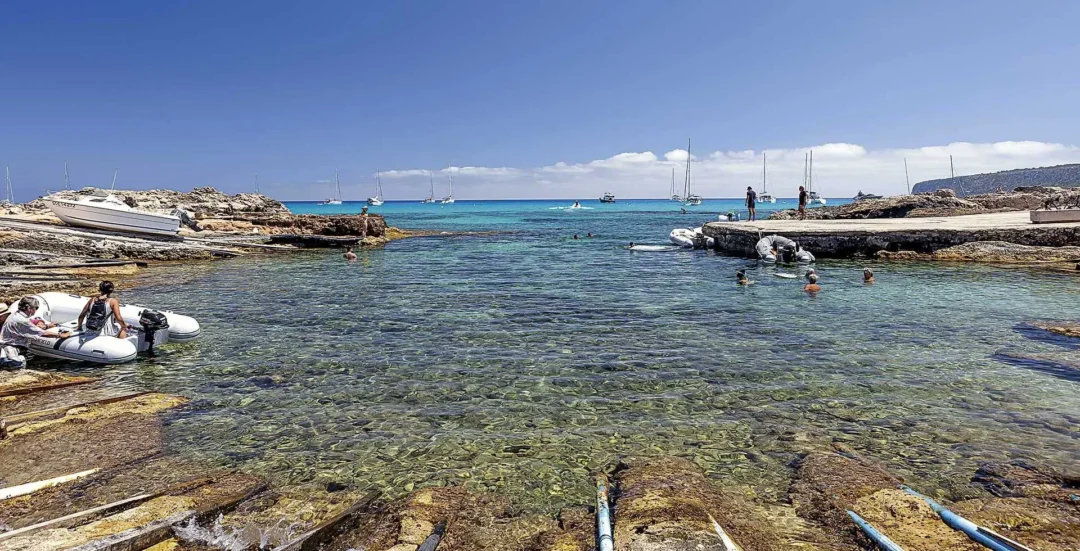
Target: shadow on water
(1061,370)
(1040,335)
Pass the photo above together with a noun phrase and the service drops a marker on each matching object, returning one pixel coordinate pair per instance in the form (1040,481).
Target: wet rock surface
(940,203)
(992,251)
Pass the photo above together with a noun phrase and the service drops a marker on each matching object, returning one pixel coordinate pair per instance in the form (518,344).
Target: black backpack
(99,312)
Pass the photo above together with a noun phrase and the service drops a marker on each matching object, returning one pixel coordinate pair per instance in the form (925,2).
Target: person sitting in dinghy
(102,313)
(18,327)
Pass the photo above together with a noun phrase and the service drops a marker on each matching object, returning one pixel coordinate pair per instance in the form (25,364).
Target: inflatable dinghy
(64,308)
(689,239)
(150,328)
(775,248)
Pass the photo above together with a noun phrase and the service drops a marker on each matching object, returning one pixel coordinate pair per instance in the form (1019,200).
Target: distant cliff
(1008,180)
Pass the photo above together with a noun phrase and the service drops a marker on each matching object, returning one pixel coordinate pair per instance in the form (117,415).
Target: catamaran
(692,200)
(377,200)
(808,181)
(765,196)
(336,200)
(674,196)
(449,199)
(431,196)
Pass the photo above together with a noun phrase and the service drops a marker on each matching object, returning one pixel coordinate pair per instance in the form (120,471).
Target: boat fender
(152,321)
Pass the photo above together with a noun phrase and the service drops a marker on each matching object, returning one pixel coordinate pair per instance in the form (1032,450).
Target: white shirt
(17,329)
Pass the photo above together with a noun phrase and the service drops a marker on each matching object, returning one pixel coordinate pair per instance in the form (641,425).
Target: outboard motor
(787,253)
(152,321)
(186,219)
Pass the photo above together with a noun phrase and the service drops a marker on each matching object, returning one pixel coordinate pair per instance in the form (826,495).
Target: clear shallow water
(520,362)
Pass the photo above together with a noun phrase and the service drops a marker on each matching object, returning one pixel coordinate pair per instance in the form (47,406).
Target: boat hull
(74,213)
(64,308)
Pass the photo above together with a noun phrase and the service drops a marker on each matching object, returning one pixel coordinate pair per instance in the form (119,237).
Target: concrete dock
(864,238)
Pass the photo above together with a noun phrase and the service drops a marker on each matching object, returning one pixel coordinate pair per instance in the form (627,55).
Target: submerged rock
(1067,328)
(991,251)
(664,504)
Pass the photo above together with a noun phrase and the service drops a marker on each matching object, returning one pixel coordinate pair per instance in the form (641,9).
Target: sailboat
(449,199)
(377,200)
(431,196)
(674,196)
(765,196)
(692,200)
(336,200)
(808,181)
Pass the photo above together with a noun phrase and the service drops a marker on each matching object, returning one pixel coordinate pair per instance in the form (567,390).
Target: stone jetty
(860,238)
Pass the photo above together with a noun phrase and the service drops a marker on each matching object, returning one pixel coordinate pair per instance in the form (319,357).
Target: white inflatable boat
(776,248)
(64,309)
(690,239)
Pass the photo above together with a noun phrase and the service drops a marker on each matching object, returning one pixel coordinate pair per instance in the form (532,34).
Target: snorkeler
(868,275)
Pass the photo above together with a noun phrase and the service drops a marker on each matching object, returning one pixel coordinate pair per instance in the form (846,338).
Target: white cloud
(840,170)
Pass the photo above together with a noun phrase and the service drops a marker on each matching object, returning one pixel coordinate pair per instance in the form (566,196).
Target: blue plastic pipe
(879,539)
(603,515)
(986,537)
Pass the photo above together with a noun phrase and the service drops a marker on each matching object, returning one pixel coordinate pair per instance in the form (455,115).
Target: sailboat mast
(810,176)
(672,182)
(67,179)
(337,186)
(763,190)
(805,160)
(907,180)
(113,185)
(7,176)
(431,181)
(686,181)
(256,182)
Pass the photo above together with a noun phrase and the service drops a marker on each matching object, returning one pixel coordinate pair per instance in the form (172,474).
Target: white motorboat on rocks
(105,211)
(151,328)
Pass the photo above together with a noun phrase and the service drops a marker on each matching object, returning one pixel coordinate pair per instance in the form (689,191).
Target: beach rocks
(205,201)
(991,251)
(942,202)
(1067,328)
(352,225)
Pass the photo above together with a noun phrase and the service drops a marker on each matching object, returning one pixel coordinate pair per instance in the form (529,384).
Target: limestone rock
(992,251)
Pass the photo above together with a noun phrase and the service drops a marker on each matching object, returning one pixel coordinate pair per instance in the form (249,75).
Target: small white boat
(105,211)
(765,196)
(814,197)
(608,198)
(431,197)
(693,200)
(690,238)
(377,200)
(64,309)
(449,199)
(776,248)
(865,196)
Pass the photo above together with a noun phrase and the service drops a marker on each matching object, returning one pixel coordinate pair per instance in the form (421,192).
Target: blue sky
(200,93)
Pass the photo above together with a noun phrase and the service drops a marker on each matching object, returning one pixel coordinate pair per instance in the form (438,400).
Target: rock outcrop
(203,202)
(974,184)
(991,251)
(942,203)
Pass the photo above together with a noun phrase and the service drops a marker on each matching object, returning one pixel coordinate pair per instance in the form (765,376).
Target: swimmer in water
(575,236)
(631,245)
(812,287)
(868,275)
(588,234)
(741,278)
(349,255)
(683,211)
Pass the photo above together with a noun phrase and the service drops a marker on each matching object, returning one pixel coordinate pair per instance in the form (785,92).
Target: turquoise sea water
(522,361)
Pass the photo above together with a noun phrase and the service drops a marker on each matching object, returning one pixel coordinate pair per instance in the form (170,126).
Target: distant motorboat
(608,198)
(377,200)
(865,196)
(105,211)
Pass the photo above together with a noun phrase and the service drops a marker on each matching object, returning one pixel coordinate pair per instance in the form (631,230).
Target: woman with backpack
(102,314)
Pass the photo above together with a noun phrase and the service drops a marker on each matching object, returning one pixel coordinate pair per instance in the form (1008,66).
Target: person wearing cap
(751,202)
(867,275)
(812,286)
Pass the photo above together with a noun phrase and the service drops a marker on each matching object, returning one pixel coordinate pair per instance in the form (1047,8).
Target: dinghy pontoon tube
(64,308)
(768,248)
(690,238)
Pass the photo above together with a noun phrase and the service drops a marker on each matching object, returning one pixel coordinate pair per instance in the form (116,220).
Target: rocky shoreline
(39,253)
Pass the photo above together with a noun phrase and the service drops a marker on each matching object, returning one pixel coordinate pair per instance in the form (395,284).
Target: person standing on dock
(803,196)
(751,203)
